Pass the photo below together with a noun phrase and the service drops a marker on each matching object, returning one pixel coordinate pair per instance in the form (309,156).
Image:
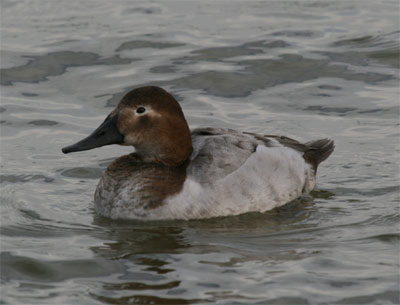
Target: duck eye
(140,110)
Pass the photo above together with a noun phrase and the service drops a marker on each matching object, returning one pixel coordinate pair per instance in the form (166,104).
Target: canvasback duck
(175,173)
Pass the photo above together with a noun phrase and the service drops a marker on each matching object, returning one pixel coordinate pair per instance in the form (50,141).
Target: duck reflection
(144,250)
(129,238)
(155,258)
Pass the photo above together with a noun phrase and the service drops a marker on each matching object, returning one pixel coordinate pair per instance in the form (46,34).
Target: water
(305,69)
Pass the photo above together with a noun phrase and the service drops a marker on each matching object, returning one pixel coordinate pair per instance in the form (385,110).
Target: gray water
(304,69)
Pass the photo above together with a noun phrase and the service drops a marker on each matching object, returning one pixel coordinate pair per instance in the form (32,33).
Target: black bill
(106,134)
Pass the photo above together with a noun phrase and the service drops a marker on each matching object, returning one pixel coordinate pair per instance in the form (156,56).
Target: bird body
(176,173)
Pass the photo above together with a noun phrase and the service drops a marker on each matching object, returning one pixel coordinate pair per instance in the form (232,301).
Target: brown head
(151,120)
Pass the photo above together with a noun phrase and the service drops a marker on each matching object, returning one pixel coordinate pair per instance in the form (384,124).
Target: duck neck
(178,153)
(170,158)
(170,150)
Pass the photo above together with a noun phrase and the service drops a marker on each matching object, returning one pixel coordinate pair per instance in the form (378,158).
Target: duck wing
(217,152)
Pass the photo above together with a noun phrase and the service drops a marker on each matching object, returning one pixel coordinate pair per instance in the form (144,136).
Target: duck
(178,173)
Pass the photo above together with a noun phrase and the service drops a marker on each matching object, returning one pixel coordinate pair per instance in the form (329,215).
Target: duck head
(151,120)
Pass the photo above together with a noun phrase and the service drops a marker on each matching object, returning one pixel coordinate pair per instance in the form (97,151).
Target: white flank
(270,178)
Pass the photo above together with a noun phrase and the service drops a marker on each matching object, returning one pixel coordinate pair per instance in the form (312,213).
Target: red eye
(140,110)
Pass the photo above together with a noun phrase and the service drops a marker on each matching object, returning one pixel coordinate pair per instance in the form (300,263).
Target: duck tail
(318,151)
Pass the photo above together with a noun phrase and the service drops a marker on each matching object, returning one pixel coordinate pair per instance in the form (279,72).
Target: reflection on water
(139,44)
(53,64)
(261,73)
(302,69)
(153,251)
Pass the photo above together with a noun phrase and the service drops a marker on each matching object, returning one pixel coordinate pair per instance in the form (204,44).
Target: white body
(234,180)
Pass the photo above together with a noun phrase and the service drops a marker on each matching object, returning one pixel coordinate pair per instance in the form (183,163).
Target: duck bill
(106,134)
